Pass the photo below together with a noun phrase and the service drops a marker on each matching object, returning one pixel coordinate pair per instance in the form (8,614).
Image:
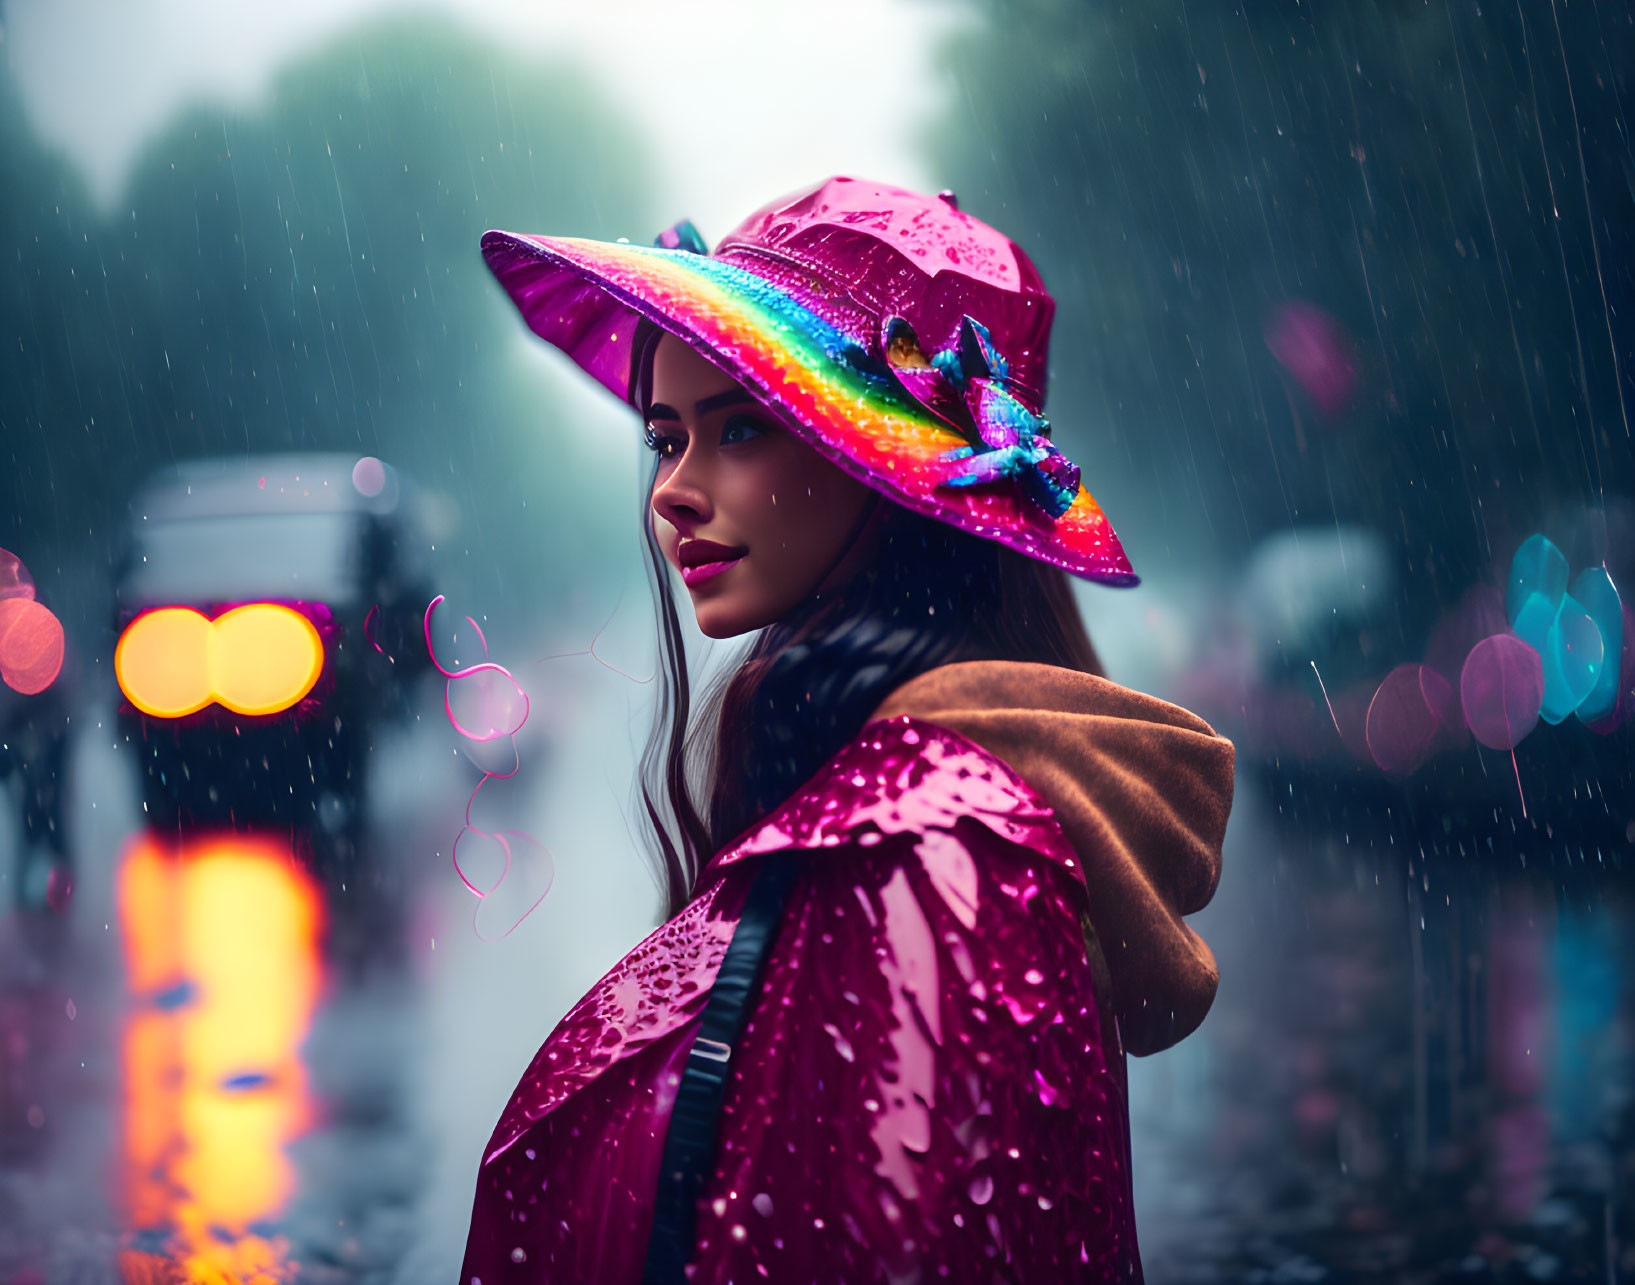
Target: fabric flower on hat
(967,383)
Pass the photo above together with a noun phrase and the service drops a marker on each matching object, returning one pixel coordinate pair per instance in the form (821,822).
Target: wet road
(1419,1068)
(215,1069)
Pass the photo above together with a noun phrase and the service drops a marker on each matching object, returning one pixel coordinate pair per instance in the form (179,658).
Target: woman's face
(750,515)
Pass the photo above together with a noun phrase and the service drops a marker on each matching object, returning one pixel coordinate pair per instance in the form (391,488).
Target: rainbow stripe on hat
(825,383)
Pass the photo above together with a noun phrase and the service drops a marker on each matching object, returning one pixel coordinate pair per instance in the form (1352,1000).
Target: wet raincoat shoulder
(930,1085)
(1142,789)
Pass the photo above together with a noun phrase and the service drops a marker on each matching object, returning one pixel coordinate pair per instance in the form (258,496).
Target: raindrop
(842,1044)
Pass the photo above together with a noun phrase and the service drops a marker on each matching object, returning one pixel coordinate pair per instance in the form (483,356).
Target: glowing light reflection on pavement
(221,945)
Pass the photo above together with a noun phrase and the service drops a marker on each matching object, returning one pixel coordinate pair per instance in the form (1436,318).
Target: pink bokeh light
(1501,688)
(31,646)
(369,476)
(15,582)
(1402,721)
(1317,353)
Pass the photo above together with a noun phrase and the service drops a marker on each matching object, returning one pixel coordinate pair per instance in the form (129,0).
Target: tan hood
(1141,787)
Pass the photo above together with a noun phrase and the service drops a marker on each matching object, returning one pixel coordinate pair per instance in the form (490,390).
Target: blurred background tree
(308,278)
(1426,174)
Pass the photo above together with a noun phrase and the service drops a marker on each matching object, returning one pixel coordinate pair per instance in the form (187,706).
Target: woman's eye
(740,428)
(664,445)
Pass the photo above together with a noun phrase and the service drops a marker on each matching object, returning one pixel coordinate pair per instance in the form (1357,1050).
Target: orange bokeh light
(221,949)
(260,658)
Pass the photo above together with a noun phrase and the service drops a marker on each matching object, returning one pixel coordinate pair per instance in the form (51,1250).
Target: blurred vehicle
(268,620)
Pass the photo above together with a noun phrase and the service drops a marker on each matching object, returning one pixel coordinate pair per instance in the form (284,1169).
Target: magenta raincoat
(930,1085)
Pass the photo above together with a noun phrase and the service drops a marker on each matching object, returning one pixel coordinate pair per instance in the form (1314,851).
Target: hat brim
(586,298)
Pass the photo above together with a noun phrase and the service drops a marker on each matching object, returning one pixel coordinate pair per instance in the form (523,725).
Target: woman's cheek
(766,514)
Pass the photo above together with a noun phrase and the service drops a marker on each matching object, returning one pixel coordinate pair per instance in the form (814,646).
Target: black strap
(689,1144)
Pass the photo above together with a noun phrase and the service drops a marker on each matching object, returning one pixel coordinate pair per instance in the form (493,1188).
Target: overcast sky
(800,89)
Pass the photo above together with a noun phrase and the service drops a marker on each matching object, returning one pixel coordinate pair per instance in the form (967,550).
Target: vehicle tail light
(260,658)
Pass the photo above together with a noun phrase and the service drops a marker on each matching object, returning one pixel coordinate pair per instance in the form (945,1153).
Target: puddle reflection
(221,940)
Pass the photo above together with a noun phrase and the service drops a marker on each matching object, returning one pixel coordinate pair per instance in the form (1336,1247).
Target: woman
(930,889)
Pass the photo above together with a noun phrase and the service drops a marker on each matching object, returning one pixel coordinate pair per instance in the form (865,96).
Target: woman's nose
(680,499)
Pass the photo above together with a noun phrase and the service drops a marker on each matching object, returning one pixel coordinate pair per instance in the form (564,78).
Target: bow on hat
(968,385)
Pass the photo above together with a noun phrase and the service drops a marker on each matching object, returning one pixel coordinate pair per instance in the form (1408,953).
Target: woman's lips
(707,570)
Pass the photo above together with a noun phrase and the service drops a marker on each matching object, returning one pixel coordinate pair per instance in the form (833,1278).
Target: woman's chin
(728,615)
(719,617)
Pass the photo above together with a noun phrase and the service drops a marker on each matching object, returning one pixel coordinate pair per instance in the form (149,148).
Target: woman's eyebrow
(658,410)
(731,397)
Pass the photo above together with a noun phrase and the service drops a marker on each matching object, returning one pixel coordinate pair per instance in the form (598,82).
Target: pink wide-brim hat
(901,338)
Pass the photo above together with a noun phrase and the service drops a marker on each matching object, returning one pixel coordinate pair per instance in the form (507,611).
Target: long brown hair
(932,595)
